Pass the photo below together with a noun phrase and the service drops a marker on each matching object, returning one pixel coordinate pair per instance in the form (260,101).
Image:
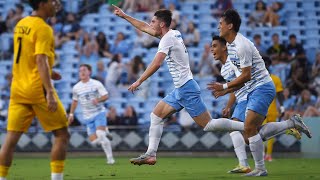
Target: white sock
(224,124)
(239,147)
(56,176)
(257,148)
(155,132)
(3,178)
(105,144)
(272,129)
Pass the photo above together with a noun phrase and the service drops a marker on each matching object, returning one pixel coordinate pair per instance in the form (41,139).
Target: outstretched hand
(118,11)
(134,86)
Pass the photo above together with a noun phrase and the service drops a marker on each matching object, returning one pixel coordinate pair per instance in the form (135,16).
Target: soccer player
(186,93)
(91,95)
(260,88)
(32,93)
(229,73)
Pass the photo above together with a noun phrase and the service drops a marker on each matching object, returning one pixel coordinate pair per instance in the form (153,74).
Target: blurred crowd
(289,61)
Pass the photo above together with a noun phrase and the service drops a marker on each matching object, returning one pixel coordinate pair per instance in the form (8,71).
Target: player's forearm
(232,100)
(152,68)
(44,71)
(280,97)
(239,81)
(74,105)
(142,26)
(233,89)
(103,98)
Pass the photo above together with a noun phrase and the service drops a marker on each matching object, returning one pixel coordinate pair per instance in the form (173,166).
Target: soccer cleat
(109,136)
(257,172)
(240,169)
(111,161)
(299,125)
(144,159)
(293,132)
(268,158)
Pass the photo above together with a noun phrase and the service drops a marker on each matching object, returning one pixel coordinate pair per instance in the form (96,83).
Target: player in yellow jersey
(32,93)
(273,114)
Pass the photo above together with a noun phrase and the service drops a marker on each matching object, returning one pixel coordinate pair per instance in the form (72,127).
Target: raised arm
(142,26)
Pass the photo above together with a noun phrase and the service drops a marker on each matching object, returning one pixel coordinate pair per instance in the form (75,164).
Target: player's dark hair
(87,66)
(220,39)
(164,15)
(231,16)
(35,3)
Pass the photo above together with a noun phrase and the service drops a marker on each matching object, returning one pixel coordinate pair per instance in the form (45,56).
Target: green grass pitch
(167,168)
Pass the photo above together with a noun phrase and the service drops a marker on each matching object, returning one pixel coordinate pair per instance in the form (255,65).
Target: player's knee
(101,134)
(155,119)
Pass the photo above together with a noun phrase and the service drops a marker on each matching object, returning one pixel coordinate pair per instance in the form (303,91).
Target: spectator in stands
(277,51)
(71,27)
(104,46)
(101,72)
(114,72)
(299,80)
(272,18)
(136,68)
(220,6)
(3,27)
(257,42)
(192,36)
(145,40)
(289,99)
(175,13)
(303,102)
(119,46)
(295,50)
(314,85)
(10,21)
(56,25)
(113,117)
(256,18)
(18,13)
(129,6)
(129,117)
(208,67)
(313,111)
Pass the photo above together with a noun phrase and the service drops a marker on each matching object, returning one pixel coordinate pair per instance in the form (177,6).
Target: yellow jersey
(32,36)
(278,84)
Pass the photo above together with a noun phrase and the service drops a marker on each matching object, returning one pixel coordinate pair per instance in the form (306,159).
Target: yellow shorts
(20,116)
(271,118)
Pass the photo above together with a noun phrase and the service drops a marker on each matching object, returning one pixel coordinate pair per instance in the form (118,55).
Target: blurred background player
(91,95)
(32,93)
(273,114)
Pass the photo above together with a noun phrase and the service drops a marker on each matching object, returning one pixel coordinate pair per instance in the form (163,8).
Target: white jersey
(243,53)
(84,93)
(177,57)
(230,72)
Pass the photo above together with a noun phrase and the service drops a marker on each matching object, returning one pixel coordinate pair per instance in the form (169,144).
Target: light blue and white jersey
(230,72)
(177,57)
(243,53)
(84,93)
